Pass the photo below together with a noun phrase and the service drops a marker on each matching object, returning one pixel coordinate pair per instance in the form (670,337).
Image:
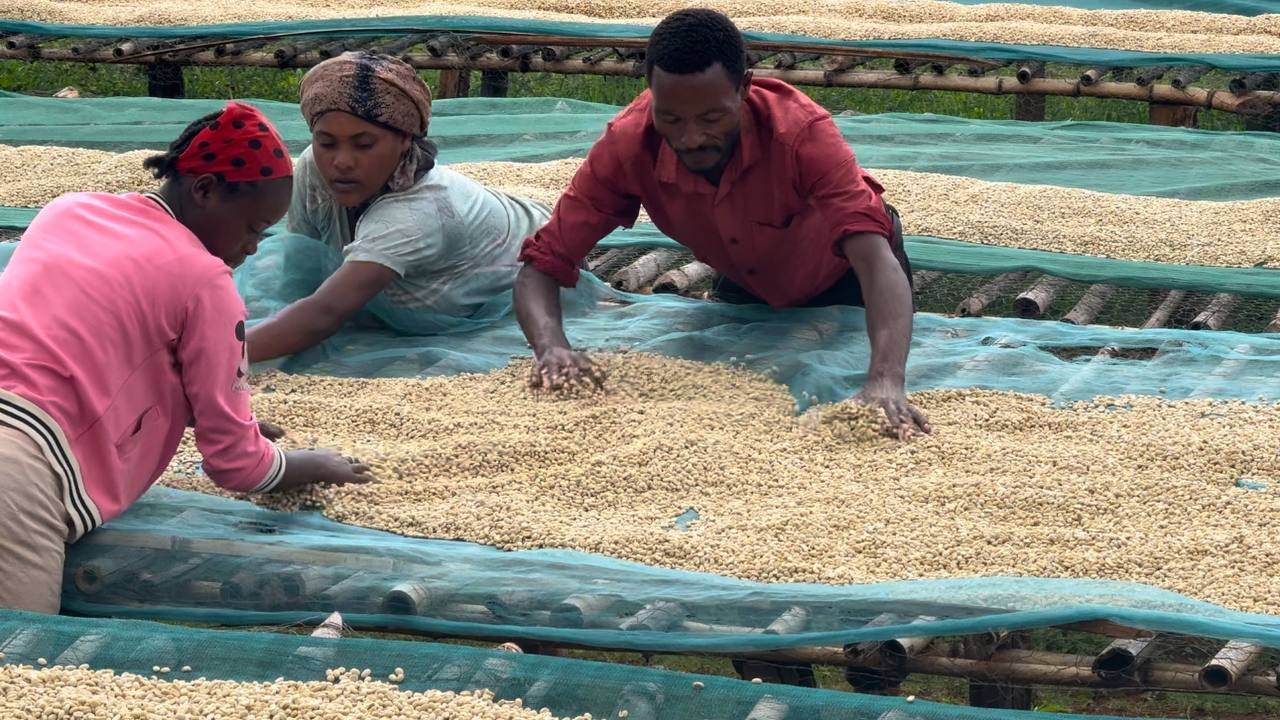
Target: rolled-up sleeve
(846,195)
(215,375)
(596,203)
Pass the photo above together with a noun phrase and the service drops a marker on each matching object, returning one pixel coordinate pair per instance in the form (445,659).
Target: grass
(270,84)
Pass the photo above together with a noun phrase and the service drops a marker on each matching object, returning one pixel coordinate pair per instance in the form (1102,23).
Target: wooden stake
(1091,305)
(922,279)
(1274,325)
(454,83)
(683,278)
(1215,316)
(1029,108)
(1123,659)
(1165,310)
(989,293)
(1172,115)
(645,270)
(1036,300)
(1228,665)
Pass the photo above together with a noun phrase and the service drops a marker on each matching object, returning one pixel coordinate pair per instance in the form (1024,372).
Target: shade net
(1240,62)
(1106,157)
(1228,7)
(567,687)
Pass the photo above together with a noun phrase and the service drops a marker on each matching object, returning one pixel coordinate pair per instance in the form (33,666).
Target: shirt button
(751,271)
(733,241)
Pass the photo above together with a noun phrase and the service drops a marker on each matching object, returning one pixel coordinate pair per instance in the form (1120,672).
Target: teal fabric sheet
(1227,7)
(170,529)
(567,687)
(987,51)
(1107,157)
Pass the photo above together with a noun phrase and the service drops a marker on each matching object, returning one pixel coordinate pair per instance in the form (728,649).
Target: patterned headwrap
(379,89)
(240,145)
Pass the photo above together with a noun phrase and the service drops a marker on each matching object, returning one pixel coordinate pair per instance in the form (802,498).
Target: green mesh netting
(477,24)
(190,557)
(1229,7)
(1107,157)
(820,353)
(567,687)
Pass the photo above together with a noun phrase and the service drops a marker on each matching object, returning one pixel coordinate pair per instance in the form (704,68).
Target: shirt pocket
(776,222)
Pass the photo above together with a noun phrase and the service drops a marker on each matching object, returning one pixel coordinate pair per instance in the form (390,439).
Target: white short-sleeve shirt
(452,241)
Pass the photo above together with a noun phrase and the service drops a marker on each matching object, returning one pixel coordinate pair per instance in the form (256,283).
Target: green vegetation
(270,84)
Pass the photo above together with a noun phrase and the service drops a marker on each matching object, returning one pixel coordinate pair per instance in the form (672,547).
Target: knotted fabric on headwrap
(241,145)
(376,88)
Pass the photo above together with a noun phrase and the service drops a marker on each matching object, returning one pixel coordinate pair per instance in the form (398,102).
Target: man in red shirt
(754,178)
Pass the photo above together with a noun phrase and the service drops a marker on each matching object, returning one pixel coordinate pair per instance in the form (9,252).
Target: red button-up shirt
(790,194)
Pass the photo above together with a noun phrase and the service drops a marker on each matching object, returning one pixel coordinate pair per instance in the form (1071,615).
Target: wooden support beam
(1173,115)
(454,83)
(165,80)
(1029,108)
(494,83)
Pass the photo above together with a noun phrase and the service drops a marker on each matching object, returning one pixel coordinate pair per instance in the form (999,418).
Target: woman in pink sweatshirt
(120,327)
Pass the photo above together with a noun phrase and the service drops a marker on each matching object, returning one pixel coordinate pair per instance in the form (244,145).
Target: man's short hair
(690,41)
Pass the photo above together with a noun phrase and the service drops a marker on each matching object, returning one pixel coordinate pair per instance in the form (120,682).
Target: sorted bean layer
(84,694)
(1038,217)
(1134,489)
(1165,31)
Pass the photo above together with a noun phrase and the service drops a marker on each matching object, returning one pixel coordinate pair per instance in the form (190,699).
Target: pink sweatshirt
(118,329)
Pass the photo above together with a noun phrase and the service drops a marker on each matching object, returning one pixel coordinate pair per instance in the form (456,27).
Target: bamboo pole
(1274,325)
(99,573)
(1030,71)
(788,60)
(1122,659)
(1231,662)
(1093,76)
(83,650)
(21,42)
(1252,103)
(1031,667)
(1036,300)
(410,599)
(790,622)
(1165,310)
(1245,84)
(1091,305)
(1148,75)
(989,293)
(1188,76)
(1215,315)
(644,270)
(577,611)
(922,279)
(331,628)
(768,708)
(657,616)
(684,277)
(897,650)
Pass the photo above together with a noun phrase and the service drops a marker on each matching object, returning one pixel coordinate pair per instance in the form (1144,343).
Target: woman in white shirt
(434,242)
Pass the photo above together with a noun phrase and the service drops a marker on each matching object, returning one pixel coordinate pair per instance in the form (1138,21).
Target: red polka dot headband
(241,146)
